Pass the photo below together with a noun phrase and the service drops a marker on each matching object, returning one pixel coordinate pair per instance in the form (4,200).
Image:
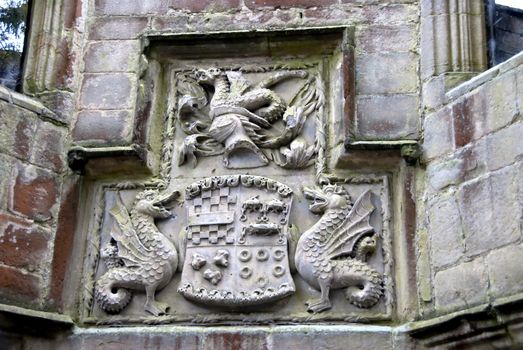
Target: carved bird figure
(139,256)
(332,253)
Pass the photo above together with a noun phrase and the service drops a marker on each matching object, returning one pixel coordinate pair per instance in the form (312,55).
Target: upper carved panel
(248,118)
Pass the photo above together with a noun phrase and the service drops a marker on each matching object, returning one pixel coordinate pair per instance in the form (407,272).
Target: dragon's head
(155,204)
(327,197)
(207,76)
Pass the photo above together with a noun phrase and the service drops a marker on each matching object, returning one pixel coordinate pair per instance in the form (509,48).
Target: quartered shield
(236,241)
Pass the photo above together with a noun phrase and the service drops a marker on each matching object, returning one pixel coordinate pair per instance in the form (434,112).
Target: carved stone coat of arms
(238,224)
(236,241)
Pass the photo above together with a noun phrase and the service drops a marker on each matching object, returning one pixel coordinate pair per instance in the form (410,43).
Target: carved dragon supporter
(139,256)
(243,119)
(332,254)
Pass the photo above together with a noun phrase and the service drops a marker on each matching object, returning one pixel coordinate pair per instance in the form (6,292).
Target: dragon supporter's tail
(111,297)
(371,281)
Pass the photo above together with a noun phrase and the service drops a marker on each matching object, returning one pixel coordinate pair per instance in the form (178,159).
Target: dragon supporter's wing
(238,84)
(356,225)
(130,248)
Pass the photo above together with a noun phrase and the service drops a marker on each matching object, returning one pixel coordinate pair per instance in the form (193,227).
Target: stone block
(505,146)
(235,340)
(252,4)
(204,5)
(132,7)
(502,101)
(35,193)
(62,103)
(117,28)
(135,341)
(6,171)
(332,339)
(438,134)
(165,23)
(49,146)
(519,89)
(386,38)
(18,286)
(63,242)
(107,91)
(433,93)
(17,128)
(112,56)
(387,117)
(461,286)
(22,244)
(386,73)
(468,114)
(98,128)
(443,173)
(485,212)
(465,164)
(446,235)
(505,272)
(506,208)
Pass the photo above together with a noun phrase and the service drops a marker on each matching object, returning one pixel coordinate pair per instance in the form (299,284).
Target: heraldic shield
(236,241)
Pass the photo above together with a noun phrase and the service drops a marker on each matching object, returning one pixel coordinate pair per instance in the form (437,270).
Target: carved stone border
(92,259)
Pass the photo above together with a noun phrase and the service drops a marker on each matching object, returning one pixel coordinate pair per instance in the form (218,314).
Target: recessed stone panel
(244,222)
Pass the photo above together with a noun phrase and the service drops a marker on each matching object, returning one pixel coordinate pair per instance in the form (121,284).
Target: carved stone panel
(244,221)
(247,248)
(236,241)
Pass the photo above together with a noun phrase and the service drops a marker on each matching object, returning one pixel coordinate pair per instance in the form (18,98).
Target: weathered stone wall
(473,198)
(36,203)
(386,62)
(466,190)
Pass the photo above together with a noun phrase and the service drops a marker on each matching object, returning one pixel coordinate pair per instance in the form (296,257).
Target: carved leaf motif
(192,94)
(299,155)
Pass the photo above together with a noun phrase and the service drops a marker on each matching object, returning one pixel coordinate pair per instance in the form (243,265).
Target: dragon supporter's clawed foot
(318,305)
(156,308)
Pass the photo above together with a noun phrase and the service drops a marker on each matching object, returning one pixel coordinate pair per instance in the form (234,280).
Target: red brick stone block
(204,5)
(48,148)
(21,244)
(133,7)
(35,193)
(64,238)
(289,3)
(17,127)
(24,135)
(236,341)
(16,285)
(463,122)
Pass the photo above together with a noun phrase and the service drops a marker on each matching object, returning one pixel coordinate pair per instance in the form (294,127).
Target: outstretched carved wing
(357,224)
(238,84)
(130,249)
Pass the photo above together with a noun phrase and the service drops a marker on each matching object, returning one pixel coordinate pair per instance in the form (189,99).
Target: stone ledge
(30,104)
(26,321)
(85,159)
(484,77)
(498,323)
